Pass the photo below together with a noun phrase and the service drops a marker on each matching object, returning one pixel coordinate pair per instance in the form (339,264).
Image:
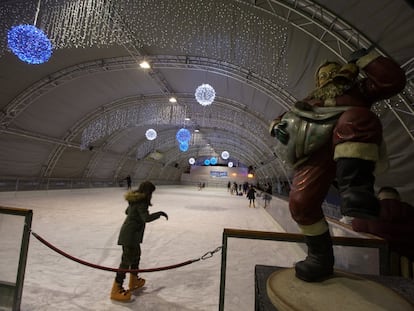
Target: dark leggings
(129,260)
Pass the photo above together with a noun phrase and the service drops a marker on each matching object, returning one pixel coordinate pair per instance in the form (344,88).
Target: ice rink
(85,224)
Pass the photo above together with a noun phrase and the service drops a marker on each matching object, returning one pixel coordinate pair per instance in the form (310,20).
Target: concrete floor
(86,223)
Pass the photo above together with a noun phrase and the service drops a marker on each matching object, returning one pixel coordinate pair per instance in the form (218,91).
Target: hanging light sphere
(151,134)
(184,146)
(213,161)
(183,135)
(29,44)
(230,164)
(206,162)
(191,161)
(205,94)
(225,155)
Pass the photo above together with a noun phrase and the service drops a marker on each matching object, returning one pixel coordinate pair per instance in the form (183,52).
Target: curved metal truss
(340,38)
(305,15)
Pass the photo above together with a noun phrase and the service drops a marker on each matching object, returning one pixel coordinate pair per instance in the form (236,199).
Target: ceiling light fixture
(144,65)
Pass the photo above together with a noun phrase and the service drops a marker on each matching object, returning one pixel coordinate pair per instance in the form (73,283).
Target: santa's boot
(319,263)
(135,282)
(119,293)
(356,187)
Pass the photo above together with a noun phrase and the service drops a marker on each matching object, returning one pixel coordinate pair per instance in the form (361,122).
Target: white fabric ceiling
(260,56)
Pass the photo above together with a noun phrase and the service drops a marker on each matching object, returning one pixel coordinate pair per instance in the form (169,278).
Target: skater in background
(267,195)
(129,182)
(130,237)
(251,195)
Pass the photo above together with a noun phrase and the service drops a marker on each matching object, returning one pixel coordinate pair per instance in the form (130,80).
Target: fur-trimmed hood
(133,196)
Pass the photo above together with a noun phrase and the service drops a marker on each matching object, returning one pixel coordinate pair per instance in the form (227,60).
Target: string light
(213,161)
(207,162)
(230,164)
(191,161)
(205,94)
(237,34)
(156,113)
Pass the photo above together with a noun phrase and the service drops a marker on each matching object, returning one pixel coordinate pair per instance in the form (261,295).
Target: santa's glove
(163,214)
(272,126)
(354,56)
(281,133)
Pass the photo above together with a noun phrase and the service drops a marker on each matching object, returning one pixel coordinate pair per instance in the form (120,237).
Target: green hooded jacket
(132,230)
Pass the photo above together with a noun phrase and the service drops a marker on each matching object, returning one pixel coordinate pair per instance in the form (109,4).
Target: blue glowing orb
(29,44)
(206,162)
(183,146)
(183,135)
(213,161)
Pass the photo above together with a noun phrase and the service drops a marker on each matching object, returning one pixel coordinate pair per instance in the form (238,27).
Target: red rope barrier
(109,268)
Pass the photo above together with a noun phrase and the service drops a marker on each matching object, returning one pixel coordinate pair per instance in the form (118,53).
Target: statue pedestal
(277,289)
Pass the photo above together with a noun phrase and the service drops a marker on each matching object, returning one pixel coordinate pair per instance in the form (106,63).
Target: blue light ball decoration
(205,94)
(184,146)
(183,135)
(213,161)
(29,44)
(206,162)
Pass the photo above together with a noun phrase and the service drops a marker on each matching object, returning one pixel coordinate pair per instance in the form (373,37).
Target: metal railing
(380,244)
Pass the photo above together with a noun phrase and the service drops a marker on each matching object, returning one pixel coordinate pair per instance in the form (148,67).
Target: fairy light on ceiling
(29,43)
(251,41)
(191,161)
(205,94)
(151,134)
(151,114)
(213,161)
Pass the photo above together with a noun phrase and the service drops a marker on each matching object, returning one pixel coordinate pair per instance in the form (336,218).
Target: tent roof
(84,113)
